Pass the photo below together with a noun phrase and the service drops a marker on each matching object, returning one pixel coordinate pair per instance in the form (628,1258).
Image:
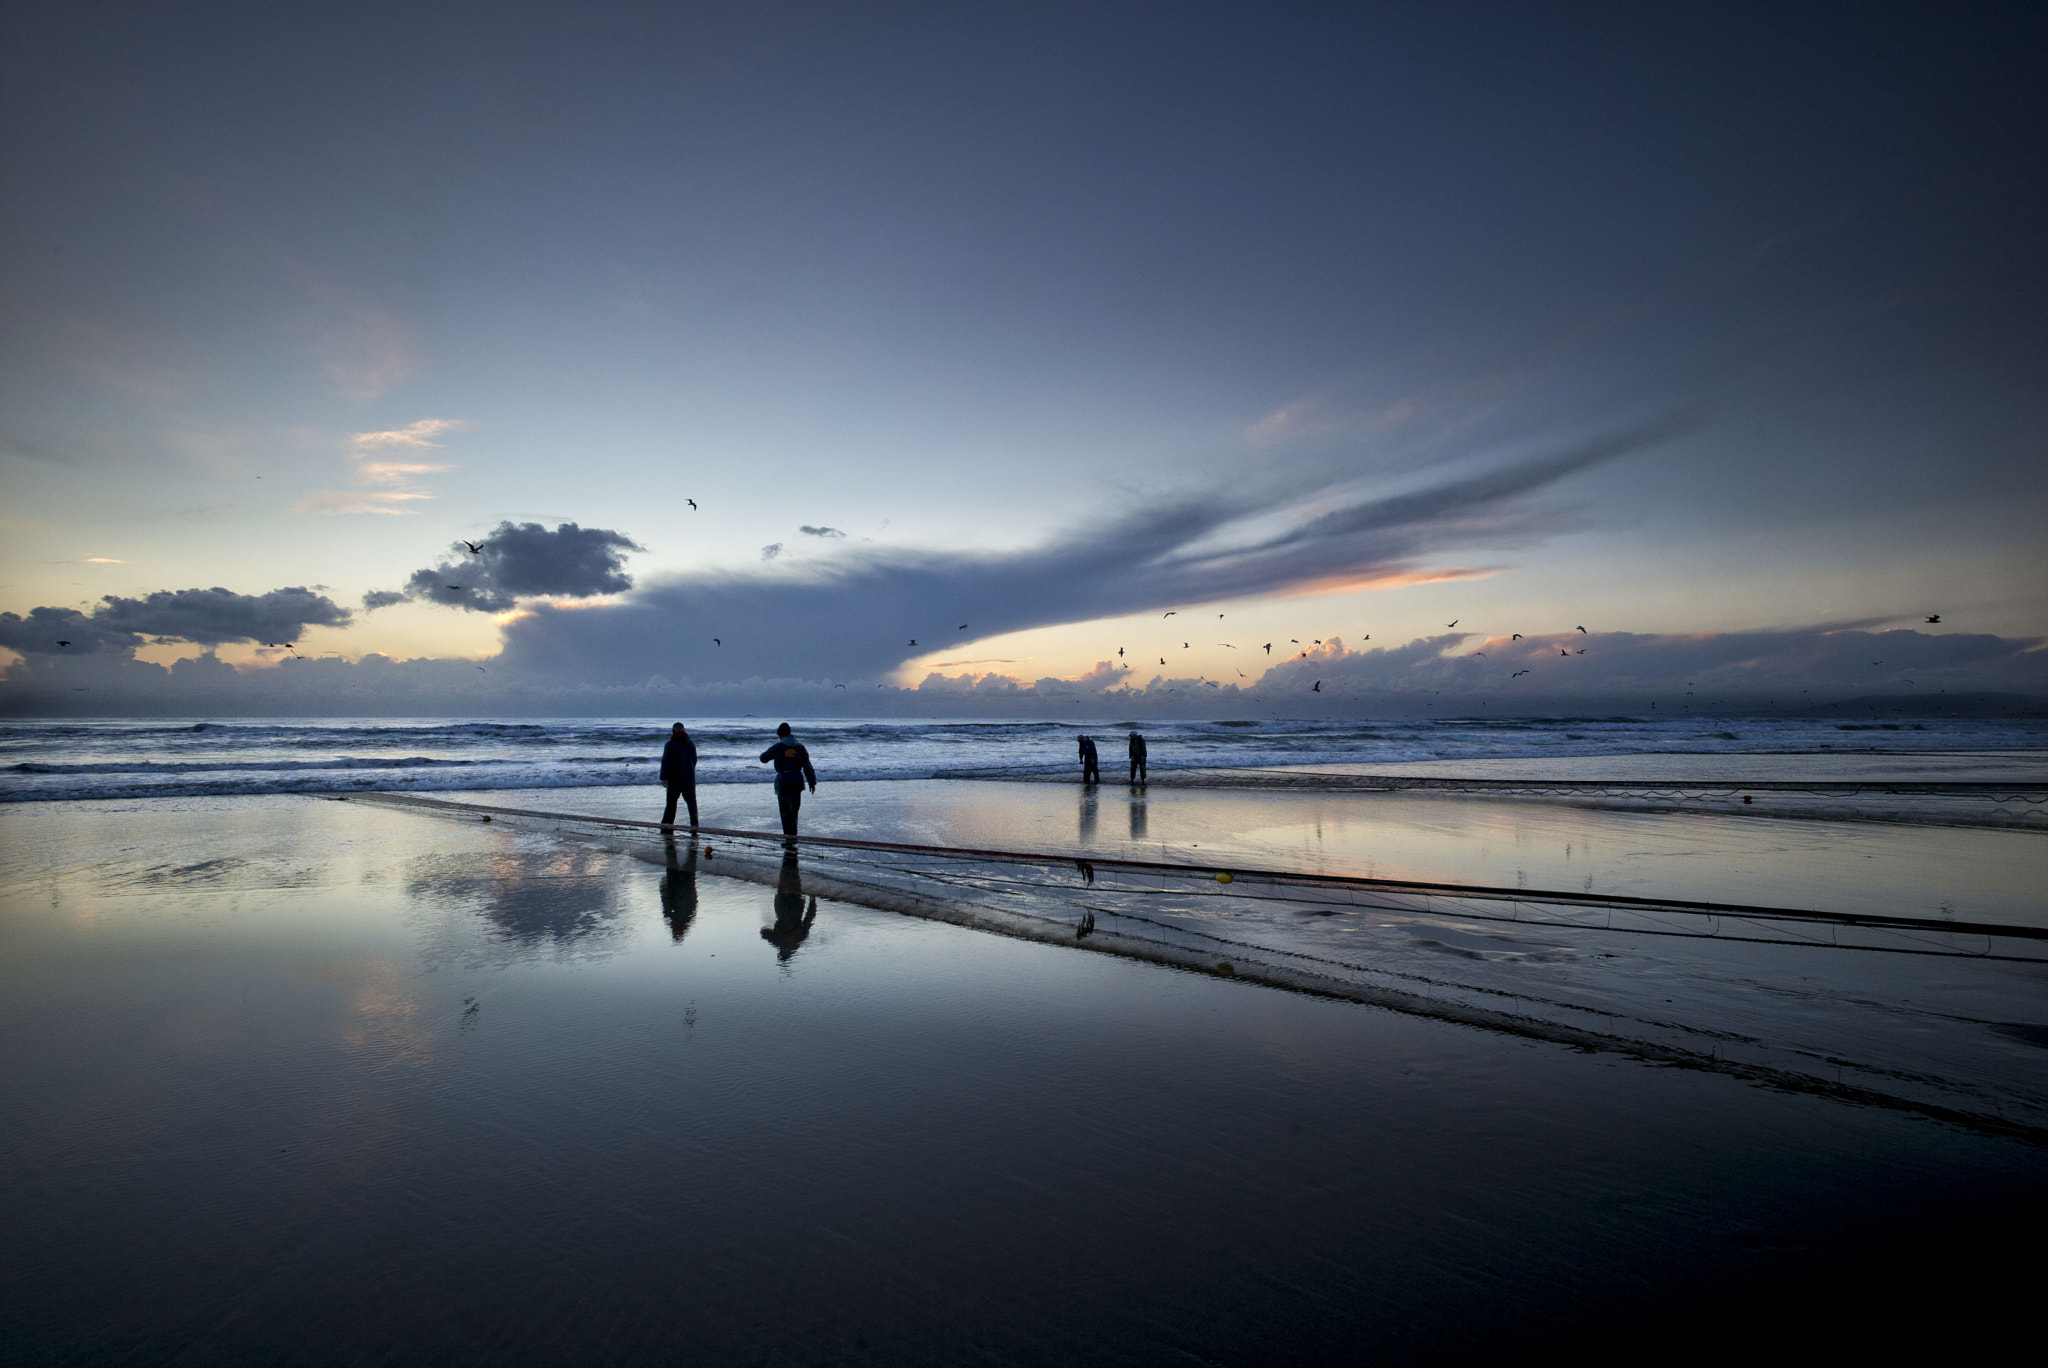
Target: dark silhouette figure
(1091,761)
(679,774)
(792,918)
(792,769)
(1137,758)
(679,890)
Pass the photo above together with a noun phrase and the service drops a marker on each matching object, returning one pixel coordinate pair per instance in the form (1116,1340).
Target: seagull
(1162,660)
(1318,688)
(963,627)
(1185,647)
(1269,648)
(838,686)
(1561,651)
(1219,615)
(1295,640)
(913,641)
(454,588)
(63,643)
(482,670)
(1518,674)
(474,549)
(1171,614)
(1516,637)
(716,642)
(693,503)
(1479,653)
(1582,651)
(1935,618)
(1119,653)
(1454,622)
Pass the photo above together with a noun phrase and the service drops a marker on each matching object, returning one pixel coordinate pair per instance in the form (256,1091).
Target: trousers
(789,800)
(686,792)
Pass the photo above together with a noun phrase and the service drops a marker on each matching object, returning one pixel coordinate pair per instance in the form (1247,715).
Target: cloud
(1788,668)
(853,615)
(360,501)
(44,628)
(771,551)
(386,485)
(522,561)
(411,436)
(209,617)
(810,531)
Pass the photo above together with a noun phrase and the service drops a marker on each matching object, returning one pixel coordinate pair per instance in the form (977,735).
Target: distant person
(1091,763)
(679,773)
(792,768)
(1137,758)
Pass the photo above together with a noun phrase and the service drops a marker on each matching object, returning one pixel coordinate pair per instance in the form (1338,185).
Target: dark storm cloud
(209,617)
(520,561)
(854,617)
(831,532)
(44,628)
(1788,668)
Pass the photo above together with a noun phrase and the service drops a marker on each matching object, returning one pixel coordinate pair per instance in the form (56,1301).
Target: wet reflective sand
(294,1079)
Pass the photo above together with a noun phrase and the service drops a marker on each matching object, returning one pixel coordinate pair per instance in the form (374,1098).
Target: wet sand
(298,1079)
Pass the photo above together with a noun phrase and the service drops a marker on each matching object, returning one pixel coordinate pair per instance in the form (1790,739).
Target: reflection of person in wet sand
(792,918)
(679,889)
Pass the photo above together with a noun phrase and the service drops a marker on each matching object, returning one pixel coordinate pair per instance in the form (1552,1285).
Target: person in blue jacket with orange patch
(792,769)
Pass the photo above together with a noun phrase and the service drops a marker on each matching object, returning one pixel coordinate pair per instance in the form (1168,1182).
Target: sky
(496,358)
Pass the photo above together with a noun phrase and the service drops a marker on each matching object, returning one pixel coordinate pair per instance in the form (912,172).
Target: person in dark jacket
(1091,762)
(679,773)
(1137,758)
(792,768)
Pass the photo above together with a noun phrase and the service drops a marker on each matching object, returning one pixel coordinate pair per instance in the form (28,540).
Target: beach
(292,1077)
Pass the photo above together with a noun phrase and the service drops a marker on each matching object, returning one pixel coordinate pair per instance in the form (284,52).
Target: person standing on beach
(1137,758)
(1091,763)
(792,768)
(679,773)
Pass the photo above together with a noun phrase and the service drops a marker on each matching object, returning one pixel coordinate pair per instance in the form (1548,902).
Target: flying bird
(63,643)
(1318,688)
(1454,622)
(1935,618)
(716,642)
(1563,652)
(474,549)
(1581,651)
(1479,653)
(1162,660)
(963,627)
(693,503)
(1171,614)
(1219,615)
(1269,648)
(1518,674)
(838,686)
(1582,631)
(481,670)
(913,641)
(1119,653)
(454,588)
(1516,637)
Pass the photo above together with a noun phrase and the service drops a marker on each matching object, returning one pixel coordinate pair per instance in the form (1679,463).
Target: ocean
(209,757)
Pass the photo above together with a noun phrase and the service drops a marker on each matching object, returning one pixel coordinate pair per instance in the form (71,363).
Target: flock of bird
(477,549)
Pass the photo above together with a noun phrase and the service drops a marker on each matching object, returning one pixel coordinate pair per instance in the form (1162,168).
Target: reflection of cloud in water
(528,895)
(383,1023)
